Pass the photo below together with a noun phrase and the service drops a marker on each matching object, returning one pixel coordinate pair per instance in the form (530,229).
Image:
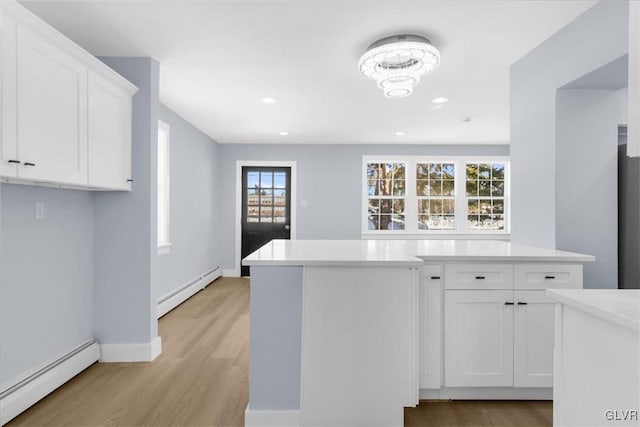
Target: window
(435,190)
(163,188)
(428,195)
(267,196)
(485,196)
(386,184)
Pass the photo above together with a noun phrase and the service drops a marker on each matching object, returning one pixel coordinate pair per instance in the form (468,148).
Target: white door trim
(268,163)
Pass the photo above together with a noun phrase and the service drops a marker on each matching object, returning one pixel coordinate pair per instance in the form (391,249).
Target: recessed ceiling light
(440,100)
(399,133)
(268,100)
(283,133)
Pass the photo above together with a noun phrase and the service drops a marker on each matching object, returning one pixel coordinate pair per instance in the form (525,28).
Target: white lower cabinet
(533,338)
(431,326)
(489,325)
(478,341)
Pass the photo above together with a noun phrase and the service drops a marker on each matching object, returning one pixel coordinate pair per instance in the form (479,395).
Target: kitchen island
(597,357)
(350,332)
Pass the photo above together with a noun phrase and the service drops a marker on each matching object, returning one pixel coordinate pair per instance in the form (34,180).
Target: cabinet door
(533,335)
(9,143)
(478,338)
(51,96)
(431,326)
(109,134)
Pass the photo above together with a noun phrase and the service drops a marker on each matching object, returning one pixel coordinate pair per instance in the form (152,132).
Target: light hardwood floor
(201,379)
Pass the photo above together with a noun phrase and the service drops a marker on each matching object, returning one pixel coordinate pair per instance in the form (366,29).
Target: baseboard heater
(180,295)
(20,396)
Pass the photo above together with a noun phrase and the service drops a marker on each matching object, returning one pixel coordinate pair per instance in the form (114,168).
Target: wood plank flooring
(201,379)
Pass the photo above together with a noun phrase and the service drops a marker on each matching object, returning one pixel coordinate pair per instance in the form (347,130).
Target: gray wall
(587,180)
(194,240)
(597,37)
(275,341)
(125,309)
(46,276)
(329,179)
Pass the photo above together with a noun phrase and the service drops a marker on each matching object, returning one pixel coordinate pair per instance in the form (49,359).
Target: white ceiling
(219,58)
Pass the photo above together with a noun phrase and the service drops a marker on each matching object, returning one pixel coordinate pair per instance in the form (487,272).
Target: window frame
(164,247)
(411,197)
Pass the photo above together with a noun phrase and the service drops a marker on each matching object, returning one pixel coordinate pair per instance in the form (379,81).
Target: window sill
(164,249)
(401,235)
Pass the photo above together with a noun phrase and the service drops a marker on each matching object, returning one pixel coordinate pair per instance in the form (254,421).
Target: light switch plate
(39,210)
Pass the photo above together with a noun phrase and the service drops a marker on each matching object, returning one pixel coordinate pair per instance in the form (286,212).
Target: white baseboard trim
(183,293)
(15,401)
(261,418)
(230,272)
(134,352)
(487,393)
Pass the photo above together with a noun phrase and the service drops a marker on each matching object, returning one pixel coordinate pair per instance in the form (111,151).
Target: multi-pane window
(436,195)
(435,191)
(386,190)
(485,196)
(266,196)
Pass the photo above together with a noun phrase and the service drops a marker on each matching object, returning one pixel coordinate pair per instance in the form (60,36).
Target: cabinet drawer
(431,271)
(478,276)
(546,276)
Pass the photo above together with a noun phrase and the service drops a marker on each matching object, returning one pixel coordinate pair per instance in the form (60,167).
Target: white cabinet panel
(359,347)
(9,145)
(109,134)
(547,276)
(431,326)
(478,276)
(533,335)
(478,338)
(51,112)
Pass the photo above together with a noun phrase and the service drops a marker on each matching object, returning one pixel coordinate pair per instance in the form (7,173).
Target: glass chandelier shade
(396,63)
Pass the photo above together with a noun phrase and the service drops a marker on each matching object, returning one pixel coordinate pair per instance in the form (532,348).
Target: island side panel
(275,338)
(360,345)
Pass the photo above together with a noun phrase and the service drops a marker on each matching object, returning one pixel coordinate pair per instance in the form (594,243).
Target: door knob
(287,227)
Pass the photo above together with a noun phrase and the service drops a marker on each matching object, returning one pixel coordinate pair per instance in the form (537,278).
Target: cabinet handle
(14,161)
(435,277)
(522,303)
(479,277)
(129,180)
(508,303)
(549,277)
(29,164)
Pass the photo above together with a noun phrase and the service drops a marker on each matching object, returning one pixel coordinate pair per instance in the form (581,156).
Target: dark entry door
(266,207)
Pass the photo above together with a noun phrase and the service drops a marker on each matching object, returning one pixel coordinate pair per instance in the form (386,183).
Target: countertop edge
(506,258)
(333,263)
(608,315)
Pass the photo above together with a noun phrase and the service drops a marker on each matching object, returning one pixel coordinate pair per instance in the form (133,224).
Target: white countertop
(401,252)
(621,306)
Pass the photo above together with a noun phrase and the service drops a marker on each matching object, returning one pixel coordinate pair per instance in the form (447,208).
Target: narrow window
(163,188)
(435,191)
(386,184)
(485,196)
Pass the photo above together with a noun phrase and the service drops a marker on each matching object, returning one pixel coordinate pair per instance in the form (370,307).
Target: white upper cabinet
(109,134)
(66,117)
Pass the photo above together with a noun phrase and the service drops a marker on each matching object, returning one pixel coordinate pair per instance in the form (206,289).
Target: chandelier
(397,63)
